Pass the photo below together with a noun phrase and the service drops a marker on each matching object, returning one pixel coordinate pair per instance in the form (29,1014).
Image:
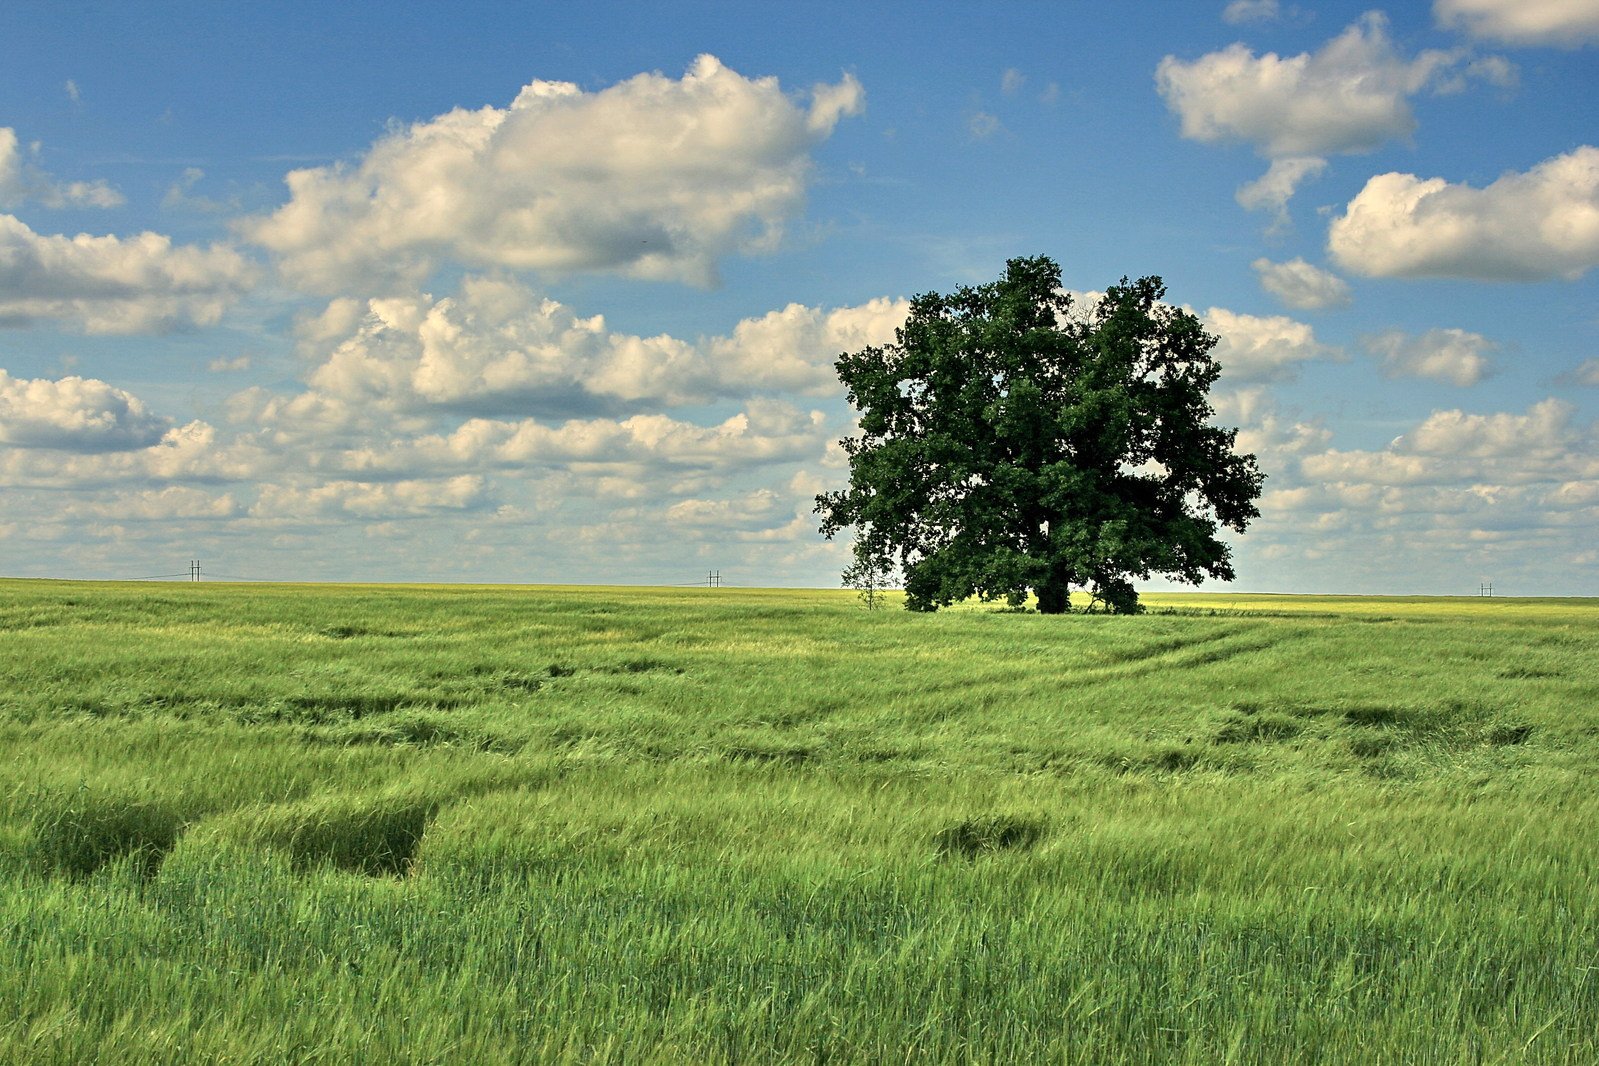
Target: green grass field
(446,824)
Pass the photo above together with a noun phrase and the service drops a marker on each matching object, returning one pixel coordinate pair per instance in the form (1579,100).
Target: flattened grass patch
(1264,727)
(78,834)
(378,837)
(985,834)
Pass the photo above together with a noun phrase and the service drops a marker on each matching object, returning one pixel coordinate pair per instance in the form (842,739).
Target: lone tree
(1012,442)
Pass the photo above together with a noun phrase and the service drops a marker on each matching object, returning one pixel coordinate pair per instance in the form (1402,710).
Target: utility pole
(713,579)
(1487,589)
(194,569)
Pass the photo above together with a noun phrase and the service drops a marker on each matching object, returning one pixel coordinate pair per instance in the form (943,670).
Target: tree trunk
(1054,597)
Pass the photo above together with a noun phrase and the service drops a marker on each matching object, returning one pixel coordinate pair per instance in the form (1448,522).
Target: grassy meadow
(449,824)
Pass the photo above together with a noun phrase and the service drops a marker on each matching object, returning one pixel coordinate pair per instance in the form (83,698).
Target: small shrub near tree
(870,574)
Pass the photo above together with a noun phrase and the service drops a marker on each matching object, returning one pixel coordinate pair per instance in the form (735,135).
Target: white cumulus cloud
(1524,227)
(139,284)
(1262,348)
(1302,285)
(1558,22)
(1545,431)
(1273,189)
(754,511)
(653,178)
(1456,356)
(1350,96)
(74,414)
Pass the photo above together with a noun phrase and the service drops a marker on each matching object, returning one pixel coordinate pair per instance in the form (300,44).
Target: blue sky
(504,292)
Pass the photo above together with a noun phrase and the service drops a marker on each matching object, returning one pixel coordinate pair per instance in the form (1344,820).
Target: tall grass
(598,825)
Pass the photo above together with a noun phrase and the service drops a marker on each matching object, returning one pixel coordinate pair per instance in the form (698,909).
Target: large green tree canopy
(1010,441)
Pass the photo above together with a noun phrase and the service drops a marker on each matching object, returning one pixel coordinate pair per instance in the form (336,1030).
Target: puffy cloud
(1559,22)
(110,284)
(758,510)
(1274,438)
(21,181)
(1453,355)
(1587,372)
(1544,432)
(1523,227)
(652,178)
(74,414)
(497,347)
(765,432)
(370,500)
(1301,285)
(793,349)
(1273,189)
(1385,468)
(758,516)
(158,505)
(1262,348)
(1350,96)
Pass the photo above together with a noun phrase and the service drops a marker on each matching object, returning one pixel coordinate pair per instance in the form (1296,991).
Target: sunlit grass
(370,823)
